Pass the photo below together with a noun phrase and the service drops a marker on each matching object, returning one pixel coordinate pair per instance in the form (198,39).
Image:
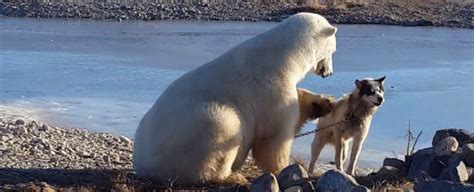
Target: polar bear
(204,124)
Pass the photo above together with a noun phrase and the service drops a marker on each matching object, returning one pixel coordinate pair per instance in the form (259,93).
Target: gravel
(449,14)
(35,145)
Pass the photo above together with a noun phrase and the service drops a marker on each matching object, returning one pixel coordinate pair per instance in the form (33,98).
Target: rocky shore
(41,157)
(407,14)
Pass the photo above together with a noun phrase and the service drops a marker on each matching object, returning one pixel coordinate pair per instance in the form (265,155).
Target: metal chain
(322,128)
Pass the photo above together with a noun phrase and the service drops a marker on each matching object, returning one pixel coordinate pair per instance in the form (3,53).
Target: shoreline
(42,156)
(414,14)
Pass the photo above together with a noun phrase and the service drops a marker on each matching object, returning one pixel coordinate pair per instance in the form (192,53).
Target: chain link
(328,126)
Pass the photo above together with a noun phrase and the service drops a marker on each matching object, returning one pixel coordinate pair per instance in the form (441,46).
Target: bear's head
(316,37)
(324,66)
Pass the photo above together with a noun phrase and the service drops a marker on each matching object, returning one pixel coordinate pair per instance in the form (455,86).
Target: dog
(349,119)
(312,106)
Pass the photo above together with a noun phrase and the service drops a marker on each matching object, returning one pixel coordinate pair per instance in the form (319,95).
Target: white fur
(203,125)
(361,110)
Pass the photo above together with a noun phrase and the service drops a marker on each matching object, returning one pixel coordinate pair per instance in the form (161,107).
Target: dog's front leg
(355,151)
(339,150)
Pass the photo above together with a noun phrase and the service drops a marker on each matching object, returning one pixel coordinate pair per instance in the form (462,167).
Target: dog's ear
(358,83)
(381,79)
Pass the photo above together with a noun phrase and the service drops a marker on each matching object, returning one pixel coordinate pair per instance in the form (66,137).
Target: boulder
(294,189)
(446,146)
(291,174)
(462,136)
(455,172)
(335,180)
(420,162)
(468,154)
(394,162)
(267,182)
(438,165)
(302,185)
(441,186)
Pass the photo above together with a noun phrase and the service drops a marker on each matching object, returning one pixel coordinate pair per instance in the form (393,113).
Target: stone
(294,189)
(44,128)
(303,185)
(19,122)
(125,140)
(85,154)
(467,154)
(438,165)
(394,162)
(420,162)
(462,136)
(446,146)
(455,172)
(291,174)
(434,186)
(4,138)
(335,180)
(267,182)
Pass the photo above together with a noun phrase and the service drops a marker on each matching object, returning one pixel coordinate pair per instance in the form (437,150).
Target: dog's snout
(380,99)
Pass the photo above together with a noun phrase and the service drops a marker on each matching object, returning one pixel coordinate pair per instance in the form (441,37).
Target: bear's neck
(285,58)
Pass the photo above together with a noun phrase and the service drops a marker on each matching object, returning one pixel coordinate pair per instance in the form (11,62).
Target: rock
(4,138)
(291,174)
(441,186)
(462,136)
(470,171)
(389,172)
(44,128)
(455,172)
(446,146)
(335,180)
(468,154)
(19,122)
(394,162)
(303,185)
(267,182)
(294,189)
(125,140)
(438,165)
(85,154)
(420,162)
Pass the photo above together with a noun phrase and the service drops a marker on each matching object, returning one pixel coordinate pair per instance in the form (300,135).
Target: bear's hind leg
(272,155)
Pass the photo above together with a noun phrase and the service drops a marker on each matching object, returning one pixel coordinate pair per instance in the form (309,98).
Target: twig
(409,138)
(416,140)
(395,154)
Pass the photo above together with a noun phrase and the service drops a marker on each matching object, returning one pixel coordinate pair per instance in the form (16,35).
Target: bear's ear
(328,31)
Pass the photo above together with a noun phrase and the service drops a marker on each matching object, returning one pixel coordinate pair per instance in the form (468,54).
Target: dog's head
(370,91)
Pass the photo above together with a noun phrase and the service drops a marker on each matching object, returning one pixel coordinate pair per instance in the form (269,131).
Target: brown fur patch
(312,106)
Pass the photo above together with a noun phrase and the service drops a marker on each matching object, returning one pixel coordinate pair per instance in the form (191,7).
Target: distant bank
(406,13)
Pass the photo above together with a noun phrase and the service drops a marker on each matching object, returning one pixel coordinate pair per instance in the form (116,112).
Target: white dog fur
(204,124)
(355,111)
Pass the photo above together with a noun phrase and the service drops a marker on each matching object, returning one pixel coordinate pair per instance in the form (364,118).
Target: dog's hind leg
(316,146)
